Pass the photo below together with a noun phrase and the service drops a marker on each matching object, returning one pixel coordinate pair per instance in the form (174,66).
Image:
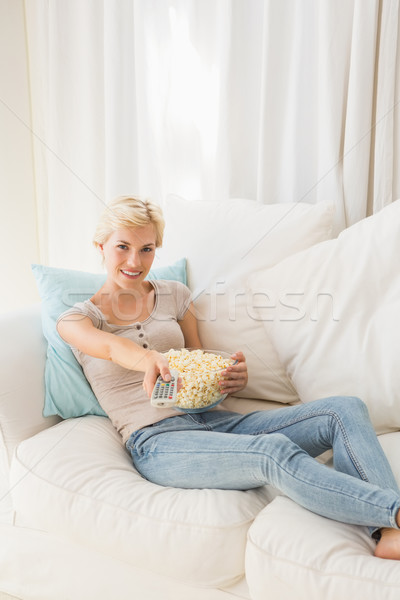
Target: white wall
(18,235)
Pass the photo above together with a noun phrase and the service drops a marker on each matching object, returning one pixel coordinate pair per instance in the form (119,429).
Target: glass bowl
(200,371)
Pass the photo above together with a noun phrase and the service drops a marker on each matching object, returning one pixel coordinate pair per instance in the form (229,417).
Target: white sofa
(77,520)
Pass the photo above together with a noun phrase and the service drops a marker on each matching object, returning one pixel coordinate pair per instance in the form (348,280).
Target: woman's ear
(100,249)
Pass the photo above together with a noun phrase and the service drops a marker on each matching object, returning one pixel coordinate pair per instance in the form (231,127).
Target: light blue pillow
(67,391)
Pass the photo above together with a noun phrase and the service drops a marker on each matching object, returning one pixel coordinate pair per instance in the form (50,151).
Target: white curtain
(272,100)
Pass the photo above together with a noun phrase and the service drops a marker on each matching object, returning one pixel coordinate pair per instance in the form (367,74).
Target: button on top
(138,326)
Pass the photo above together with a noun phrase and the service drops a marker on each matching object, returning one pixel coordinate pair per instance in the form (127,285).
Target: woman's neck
(123,306)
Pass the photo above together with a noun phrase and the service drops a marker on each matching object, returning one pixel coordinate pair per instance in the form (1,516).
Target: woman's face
(129,254)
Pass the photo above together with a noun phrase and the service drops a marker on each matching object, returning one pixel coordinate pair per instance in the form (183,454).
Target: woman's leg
(214,450)
(340,423)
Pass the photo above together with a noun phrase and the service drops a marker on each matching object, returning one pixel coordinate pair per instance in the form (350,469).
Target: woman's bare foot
(389,544)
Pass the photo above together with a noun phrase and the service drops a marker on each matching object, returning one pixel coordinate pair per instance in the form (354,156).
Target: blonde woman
(119,336)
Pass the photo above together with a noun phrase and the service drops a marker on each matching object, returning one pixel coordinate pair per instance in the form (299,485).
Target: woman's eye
(122,246)
(148,249)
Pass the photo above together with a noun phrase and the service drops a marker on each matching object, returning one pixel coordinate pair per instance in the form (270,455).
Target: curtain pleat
(272,100)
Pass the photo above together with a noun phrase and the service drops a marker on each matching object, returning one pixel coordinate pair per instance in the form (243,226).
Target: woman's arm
(190,329)
(79,331)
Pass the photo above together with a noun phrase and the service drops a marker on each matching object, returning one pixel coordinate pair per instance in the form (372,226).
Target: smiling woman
(127,235)
(132,256)
(128,255)
(130,320)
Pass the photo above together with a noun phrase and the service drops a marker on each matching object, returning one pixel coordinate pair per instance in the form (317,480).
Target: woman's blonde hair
(126,211)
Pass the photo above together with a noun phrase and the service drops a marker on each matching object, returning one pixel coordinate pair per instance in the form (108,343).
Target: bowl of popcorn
(200,371)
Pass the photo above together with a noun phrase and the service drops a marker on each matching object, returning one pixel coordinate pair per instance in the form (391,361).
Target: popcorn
(200,372)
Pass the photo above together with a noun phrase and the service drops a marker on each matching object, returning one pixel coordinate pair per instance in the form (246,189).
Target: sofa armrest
(22,362)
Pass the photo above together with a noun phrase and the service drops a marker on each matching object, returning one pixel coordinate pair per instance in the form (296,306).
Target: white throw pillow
(224,242)
(333,315)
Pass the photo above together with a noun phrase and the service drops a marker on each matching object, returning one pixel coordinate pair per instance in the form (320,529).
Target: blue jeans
(226,450)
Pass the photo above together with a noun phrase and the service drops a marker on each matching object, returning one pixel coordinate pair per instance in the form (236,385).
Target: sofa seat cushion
(294,553)
(76,481)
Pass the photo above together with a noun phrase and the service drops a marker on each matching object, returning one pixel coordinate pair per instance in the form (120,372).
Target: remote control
(164,392)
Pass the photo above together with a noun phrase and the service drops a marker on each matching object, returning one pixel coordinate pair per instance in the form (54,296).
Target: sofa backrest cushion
(224,243)
(333,315)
